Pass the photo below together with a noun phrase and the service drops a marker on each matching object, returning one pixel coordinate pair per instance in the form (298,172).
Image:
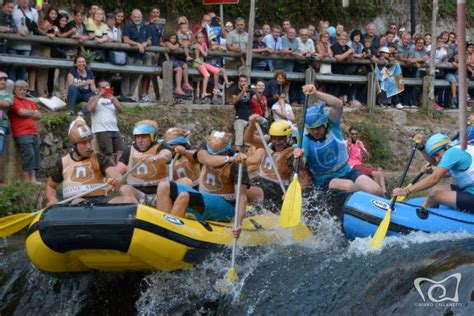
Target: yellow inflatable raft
(76,238)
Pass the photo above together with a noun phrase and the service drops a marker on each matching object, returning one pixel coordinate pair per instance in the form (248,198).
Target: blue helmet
(435,143)
(146,127)
(315,116)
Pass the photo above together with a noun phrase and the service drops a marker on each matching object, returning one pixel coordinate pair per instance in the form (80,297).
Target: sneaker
(31,94)
(145,99)
(217,92)
(438,107)
(454,102)
(399,106)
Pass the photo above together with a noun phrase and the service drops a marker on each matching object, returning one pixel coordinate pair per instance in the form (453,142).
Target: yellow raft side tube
(75,238)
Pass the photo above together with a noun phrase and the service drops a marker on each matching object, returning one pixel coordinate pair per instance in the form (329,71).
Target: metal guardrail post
(167,92)
(371,91)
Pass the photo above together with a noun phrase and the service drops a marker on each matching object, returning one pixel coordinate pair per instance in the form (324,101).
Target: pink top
(355,152)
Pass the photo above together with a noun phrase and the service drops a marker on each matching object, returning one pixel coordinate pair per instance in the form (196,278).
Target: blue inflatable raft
(363,212)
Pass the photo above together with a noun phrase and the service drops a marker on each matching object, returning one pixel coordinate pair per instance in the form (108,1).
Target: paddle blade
(301,232)
(381,232)
(231,277)
(14,223)
(290,215)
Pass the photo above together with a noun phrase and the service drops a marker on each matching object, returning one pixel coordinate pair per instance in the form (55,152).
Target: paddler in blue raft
(325,153)
(448,159)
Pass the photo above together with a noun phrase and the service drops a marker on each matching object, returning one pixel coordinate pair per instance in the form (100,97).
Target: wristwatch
(226,159)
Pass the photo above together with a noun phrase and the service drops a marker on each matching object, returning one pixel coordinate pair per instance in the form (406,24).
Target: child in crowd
(184,39)
(180,67)
(204,68)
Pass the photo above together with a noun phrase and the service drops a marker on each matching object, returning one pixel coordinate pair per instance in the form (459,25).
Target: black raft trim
(376,221)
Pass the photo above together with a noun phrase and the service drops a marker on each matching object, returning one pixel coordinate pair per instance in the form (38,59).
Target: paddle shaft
(405,172)
(171,166)
(301,131)
(236,215)
(269,154)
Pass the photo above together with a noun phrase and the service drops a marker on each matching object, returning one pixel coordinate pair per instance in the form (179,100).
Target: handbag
(31,25)
(118,57)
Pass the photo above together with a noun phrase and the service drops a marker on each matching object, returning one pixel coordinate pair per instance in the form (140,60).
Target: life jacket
(266,170)
(354,152)
(185,168)
(82,176)
(327,156)
(217,181)
(149,173)
(465,178)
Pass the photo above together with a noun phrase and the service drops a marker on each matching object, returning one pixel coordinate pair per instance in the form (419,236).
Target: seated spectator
(155,31)
(104,108)
(180,67)
(7,24)
(273,41)
(135,34)
(204,68)
(236,41)
(243,109)
(282,111)
(357,152)
(6,101)
(23,116)
(275,86)
(80,84)
(97,30)
(185,39)
(259,101)
(259,47)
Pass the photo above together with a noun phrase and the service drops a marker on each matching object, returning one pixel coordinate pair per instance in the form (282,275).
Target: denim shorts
(29,146)
(3,139)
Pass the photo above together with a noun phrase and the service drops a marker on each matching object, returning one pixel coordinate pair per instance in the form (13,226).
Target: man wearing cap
(458,163)
(153,158)
(82,170)
(324,151)
(184,168)
(259,47)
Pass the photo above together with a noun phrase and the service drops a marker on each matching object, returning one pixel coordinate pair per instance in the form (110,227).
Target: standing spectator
(273,41)
(259,47)
(97,31)
(104,108)
(406,54)
(155,31)
(243,109)
(180,67)
(290,47)
(392,28)
(266,29)
(305,43)
(49,28)
(236,41)
(80,84)
(119,19)
(420,60)
(357,152)
(323,48)
(6,101)
(342,53)
(285,25)
(114,33)
(453,79)
(259,101)
(282,111)
(355,92)
(58,51)
(23,117)
(389,39)
(22,48)
(202,27)
(135,34)
(7,24)
(371,35)
(312,33)
(92,10)
(428,39)
(383,99)
(339,29)
(275,86)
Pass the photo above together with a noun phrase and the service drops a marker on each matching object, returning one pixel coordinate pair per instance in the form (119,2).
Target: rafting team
(205,180)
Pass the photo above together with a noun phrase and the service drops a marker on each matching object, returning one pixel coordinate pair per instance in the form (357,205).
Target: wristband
(407,190)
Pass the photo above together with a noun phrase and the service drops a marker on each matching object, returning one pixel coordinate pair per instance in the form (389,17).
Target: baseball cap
(258,33)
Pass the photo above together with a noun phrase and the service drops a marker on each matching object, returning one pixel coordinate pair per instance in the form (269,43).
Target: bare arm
(121,167)
(249,134)
(335,103)
(164,156)
(214,161)
(34,114)
(93,103)
(50,192)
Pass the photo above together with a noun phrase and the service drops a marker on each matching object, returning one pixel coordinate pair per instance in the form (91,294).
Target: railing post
(309,76)
(167,92)
(425,92)
(11,161)
(371,91)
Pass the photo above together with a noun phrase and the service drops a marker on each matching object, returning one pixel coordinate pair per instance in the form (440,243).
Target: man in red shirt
(206,20)
(23,117)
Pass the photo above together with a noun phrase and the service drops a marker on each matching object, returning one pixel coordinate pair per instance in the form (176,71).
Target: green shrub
(377,142)
(20,198)
(56,120)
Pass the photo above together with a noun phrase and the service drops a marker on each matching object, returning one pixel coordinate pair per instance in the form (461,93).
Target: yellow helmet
(280,128)
(146,127)
(79,131)
(219,142)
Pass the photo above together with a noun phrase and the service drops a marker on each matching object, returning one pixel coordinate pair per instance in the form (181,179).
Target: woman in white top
(282,110)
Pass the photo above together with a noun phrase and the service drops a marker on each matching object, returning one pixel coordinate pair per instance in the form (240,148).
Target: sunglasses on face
(3,78)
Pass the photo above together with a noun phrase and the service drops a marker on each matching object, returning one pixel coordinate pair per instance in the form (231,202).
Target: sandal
(217,92)
(206,95)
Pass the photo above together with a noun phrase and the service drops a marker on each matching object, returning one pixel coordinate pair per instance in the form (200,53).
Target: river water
(325,275)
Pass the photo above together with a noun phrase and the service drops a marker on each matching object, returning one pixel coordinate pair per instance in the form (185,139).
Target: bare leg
(180,205)
(129,193)
(163,198)
(343,185)
(145,85)
(255,195)
(380,179)
(185,181)
(204,86)
(436,197)
(366,184)
(178,78)
(31,79)
(186,74)
(224,74)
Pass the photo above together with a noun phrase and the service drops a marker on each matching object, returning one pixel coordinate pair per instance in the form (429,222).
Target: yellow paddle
(381,232)
(290,215)
(300,231)
(231,276)
(16,222)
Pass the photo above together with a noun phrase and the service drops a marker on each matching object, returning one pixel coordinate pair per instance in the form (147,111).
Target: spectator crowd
(273,99)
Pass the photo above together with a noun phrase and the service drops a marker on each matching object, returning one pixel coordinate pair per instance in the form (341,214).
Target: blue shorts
(352,175)
(204,206)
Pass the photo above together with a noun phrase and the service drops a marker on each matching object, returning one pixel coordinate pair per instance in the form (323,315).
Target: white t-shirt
(306,47)
(104,117)
(20,24)
(287,110)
